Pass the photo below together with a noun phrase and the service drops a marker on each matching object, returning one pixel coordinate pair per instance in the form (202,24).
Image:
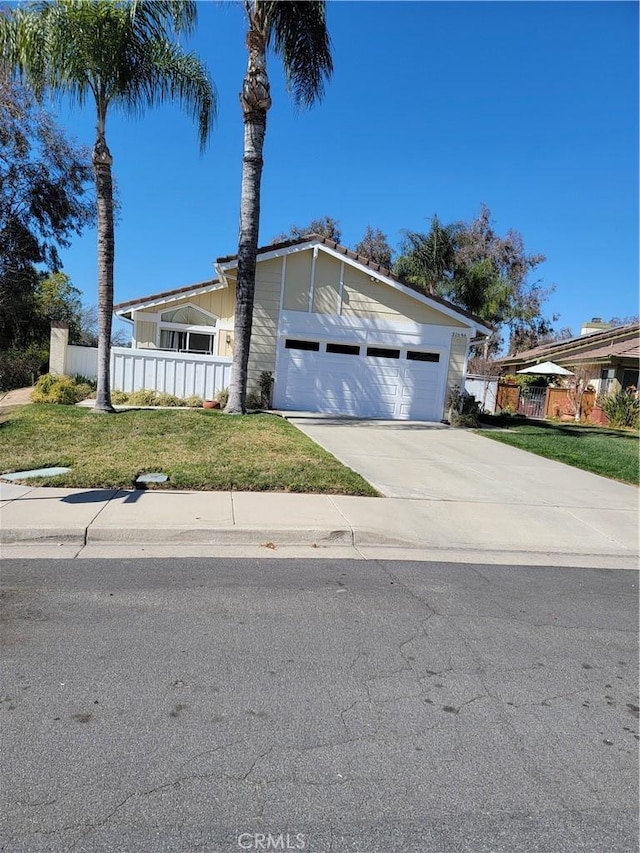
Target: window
(416,355)
(188,315)
(343,349)
(313,346)
(608,377)
(188,328)
(630,379)
(381,352)
(187,341)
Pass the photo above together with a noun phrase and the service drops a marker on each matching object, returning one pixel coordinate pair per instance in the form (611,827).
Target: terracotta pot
(211,404)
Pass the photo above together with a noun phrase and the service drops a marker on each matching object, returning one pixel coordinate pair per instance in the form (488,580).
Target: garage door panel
(359,385)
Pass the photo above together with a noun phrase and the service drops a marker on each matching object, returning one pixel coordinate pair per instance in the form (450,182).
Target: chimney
(594,325)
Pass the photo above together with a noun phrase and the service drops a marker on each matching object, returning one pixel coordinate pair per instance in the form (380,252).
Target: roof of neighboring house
(122,308)
(619,342)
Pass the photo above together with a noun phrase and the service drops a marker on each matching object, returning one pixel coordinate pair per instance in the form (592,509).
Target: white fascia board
(408,291)
(151,302)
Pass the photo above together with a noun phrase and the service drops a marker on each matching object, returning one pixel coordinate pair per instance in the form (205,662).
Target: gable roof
(226,263)
(165,296)
(619,342)
(309,240)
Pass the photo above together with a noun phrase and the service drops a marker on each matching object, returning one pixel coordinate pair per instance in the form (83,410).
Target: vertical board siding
(484,389)
(81,361)
(325,295)
(297,280)
(181,374)
(266,312)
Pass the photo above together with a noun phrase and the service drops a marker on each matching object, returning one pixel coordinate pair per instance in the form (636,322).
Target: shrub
(165,399)
(21,368)
(253,400)
(222,397)
(194,402)
(622,408)
(465,420)
(84,390)
(91,381)
(119,398)
(142,398)
(56,389)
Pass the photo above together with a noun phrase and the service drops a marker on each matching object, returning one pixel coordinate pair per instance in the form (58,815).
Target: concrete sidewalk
(167,522)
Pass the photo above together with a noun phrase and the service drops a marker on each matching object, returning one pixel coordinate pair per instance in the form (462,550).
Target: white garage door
(360,379)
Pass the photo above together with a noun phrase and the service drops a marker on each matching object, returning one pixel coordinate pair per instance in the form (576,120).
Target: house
(339,333)
(607,359)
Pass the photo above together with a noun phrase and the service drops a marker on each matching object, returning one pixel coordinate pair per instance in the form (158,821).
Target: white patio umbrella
(547,368)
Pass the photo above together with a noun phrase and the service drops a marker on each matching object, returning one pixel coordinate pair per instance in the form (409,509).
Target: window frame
(210,331)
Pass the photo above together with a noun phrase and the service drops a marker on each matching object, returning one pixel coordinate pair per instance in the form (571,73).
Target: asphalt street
(319,705)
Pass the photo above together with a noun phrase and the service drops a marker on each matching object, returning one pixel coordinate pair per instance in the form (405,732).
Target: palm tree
(297,31)
(428,260)
(121,54)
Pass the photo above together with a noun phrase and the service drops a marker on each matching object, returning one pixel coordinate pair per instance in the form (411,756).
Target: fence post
(58,342)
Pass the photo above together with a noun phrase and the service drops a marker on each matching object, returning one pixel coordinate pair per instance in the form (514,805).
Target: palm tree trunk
(102,161)
(255,100)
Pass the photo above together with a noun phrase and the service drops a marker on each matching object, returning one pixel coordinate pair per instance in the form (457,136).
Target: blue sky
(434,107)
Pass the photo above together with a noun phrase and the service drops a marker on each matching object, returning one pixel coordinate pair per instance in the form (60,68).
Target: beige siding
(455,372)
(297,281)
(262,355)
(363,297)
(145,332)
(225,342)
(326,285)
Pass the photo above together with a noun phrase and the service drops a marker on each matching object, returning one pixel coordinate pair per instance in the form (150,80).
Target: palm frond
(157,17)
(298,31)
(167,73)
(114,51)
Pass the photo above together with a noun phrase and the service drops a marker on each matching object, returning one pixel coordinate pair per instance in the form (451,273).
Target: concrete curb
(260,536)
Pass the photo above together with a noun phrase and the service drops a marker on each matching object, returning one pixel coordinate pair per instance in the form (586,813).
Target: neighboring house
(340,334)
(608,359)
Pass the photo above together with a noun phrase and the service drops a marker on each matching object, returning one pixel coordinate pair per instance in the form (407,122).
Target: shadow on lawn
(574,430)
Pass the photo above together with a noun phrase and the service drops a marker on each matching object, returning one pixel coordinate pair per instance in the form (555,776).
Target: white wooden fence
(179,373)
(81,360)
(484,389)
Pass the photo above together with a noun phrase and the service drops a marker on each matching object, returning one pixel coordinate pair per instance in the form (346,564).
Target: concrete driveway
(434,462)
(456,486)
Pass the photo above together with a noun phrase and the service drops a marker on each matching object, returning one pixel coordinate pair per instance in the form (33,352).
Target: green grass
(198,449)
(601,450)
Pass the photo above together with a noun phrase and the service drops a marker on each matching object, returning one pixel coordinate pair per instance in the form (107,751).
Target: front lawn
(609,452)
(198,449)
